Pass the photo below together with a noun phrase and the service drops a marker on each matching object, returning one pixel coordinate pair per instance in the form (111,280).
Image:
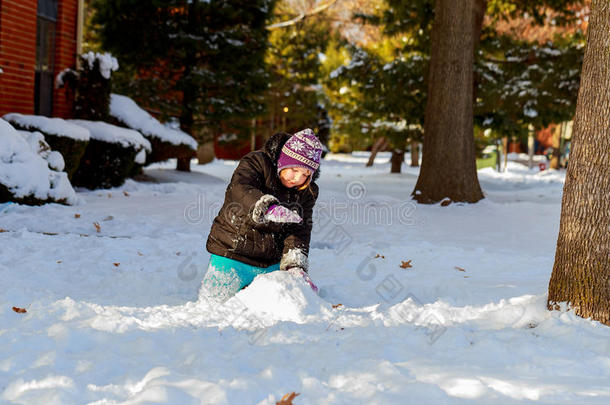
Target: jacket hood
(274,145)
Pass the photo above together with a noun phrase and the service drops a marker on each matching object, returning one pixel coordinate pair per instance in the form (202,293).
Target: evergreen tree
(294,60)
(200,60)
(518,82)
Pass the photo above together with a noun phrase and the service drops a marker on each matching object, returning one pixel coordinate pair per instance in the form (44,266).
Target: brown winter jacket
(240,232)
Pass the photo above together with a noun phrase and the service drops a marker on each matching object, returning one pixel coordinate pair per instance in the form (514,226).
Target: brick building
(38,39)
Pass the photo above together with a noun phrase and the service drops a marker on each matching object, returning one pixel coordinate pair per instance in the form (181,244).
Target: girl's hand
(281,214)
(299,272)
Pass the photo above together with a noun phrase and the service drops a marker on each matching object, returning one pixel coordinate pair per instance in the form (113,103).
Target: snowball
(280,296)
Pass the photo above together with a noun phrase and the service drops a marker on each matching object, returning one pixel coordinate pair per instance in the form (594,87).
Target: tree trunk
(398,156)
(449,164)
(414,153)
(379,145)
(581,273)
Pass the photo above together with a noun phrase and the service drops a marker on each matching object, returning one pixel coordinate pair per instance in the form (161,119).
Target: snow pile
(42,148)
(107,63)
(113,316)
(128,112)
(280,296)
(26,174)
(50,126)
(105,132)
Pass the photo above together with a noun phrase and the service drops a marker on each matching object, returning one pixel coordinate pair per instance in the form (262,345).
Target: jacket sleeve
(296,244)
(247,201)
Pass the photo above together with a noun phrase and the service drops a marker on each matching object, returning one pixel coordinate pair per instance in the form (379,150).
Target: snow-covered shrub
(110,155)
(91,85)
(166,142)
(25,176)
(42,148)
(68,139)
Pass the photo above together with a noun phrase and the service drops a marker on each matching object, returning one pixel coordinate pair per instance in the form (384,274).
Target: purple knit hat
(303,149)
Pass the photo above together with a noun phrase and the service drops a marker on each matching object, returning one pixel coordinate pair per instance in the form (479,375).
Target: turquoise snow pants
(225,277)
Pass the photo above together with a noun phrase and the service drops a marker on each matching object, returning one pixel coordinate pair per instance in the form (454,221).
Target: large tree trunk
(581,273)
(449,164)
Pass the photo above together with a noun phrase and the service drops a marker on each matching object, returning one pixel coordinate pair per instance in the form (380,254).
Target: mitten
(281,214)
(299,272)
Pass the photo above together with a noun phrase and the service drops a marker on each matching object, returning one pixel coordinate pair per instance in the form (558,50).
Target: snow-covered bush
(110,156)
(25,176)
(91,85)
(68,139)
(42,148)
(166,142)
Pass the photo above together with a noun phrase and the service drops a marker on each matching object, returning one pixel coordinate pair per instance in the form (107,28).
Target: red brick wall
(18,54)
(65,52)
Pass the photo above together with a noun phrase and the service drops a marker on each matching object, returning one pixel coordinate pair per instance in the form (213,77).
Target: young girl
(265,222)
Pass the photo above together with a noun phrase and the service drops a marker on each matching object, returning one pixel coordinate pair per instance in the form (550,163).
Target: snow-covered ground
(114,317)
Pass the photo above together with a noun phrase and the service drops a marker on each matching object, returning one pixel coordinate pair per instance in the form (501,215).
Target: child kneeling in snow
(265,222)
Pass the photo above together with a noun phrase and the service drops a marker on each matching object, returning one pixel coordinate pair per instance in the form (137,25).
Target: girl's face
(294,176)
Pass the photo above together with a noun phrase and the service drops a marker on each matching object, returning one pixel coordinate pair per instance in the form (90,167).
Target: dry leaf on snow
(116,264)
(459,268)
(19,310)
(405,265)
(287,399)
(77,216)
(337,305)
(98,228)
(378,255)
(125,193)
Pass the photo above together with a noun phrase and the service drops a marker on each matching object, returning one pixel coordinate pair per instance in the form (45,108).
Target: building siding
(18,54)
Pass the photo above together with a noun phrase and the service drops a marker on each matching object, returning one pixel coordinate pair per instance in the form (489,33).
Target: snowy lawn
(113,314)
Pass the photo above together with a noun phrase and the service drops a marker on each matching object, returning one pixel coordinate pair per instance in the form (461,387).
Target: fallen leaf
(140,254)
(3,230)
(76,215)
(287,399)
(125,193)
(116,264)
(466,276)
(378,255)
(98,228)
(337,305)
(405,265)
(59,261)
(19,310)
(108,218)
(446,202)
(459,268)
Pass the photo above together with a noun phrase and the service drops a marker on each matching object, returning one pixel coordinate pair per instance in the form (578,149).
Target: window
(45,52)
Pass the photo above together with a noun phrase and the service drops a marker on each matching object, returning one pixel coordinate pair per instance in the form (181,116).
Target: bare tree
(581,273)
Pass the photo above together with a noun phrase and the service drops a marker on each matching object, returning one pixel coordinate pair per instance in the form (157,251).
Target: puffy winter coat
(240,231)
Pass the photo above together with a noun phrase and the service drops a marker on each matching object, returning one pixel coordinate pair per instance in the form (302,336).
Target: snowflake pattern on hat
(303,149)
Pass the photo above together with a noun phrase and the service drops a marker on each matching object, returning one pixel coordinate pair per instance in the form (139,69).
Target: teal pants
(225,277)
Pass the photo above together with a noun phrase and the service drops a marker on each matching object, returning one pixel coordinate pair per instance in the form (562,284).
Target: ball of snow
(280,296)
